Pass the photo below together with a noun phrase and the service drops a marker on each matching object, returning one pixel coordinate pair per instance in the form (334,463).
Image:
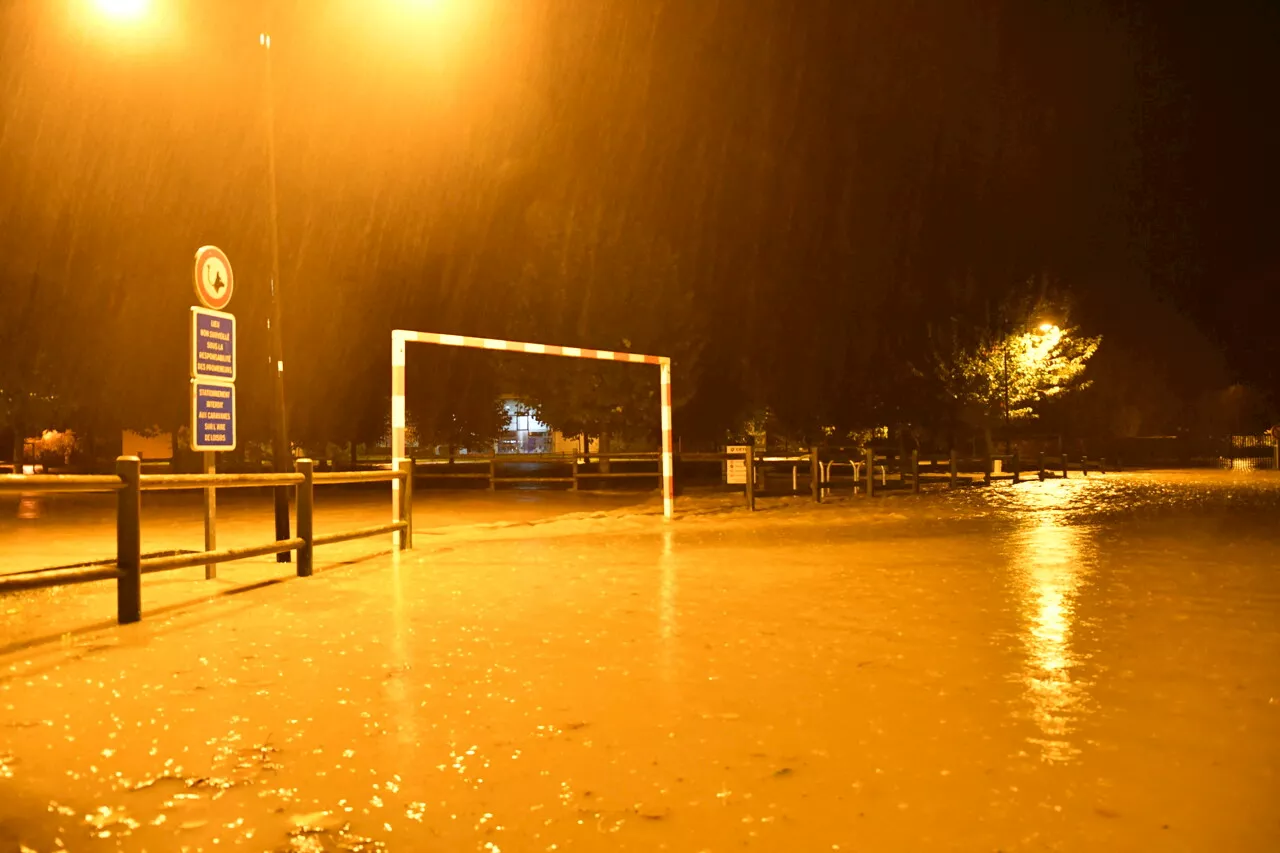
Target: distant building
(153,448)
(524,433)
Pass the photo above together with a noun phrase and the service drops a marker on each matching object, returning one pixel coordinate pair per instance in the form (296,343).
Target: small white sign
(735,470)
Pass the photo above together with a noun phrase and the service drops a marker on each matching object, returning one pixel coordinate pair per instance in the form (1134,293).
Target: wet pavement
(1069,665)
(68,529)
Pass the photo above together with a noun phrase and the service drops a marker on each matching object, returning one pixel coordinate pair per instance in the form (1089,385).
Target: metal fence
(894,470)
(128,484)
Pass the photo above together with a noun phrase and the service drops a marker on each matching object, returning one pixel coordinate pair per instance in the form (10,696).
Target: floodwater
(1068,665)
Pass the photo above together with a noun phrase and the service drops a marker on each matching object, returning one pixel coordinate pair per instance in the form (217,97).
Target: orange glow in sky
(123,9)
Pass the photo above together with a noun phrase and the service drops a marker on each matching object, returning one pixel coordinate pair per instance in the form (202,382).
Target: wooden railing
(129,483)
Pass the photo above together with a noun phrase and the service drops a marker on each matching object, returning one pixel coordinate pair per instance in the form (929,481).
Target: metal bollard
(306,515)
(405,467)
(870,456)
(750,459)
(129,540)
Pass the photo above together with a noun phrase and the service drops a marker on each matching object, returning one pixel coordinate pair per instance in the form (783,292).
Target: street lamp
(124,10)
(280,448)
(138,18)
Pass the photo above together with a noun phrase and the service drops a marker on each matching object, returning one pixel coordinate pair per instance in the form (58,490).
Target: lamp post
(280,448)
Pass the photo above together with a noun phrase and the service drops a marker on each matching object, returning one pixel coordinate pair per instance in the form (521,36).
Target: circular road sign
(214,282)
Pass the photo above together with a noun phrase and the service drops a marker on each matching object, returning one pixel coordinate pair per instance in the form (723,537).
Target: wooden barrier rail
(129,483)
(59,483)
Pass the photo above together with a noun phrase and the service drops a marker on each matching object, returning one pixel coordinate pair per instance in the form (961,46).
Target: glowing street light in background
(127,25)
(123,10)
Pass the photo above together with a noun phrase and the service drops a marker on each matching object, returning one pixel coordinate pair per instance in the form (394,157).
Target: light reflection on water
(401,658)
(667,603)
(1051,560)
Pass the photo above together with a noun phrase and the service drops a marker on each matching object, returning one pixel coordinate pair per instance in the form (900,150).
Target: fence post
(986,470)
(129,540)
(915,472)
(405,467)
(955,468)
(815,474)
(750,460)
(306,515)
(1084,465)
(1017,467)
(1064,464)
(1044,475)
(870,455)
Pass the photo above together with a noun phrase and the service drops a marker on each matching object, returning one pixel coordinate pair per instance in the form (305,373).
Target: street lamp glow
(1046,327)
(124,10)
(137,27)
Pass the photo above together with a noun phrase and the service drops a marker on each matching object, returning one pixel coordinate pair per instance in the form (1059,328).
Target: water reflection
(401,659)
(1051,559)
(667,603)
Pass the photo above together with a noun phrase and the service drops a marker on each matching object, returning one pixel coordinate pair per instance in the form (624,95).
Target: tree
(1000,378)
(453,399)
(595,279)
(30,377)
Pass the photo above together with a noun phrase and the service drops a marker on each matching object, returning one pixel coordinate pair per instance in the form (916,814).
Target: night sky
(785,196)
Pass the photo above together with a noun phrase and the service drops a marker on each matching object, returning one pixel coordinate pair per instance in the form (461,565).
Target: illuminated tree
(1010,377)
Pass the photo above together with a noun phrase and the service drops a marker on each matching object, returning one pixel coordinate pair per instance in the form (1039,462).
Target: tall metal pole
(668,472)
(398,452)
(280,448)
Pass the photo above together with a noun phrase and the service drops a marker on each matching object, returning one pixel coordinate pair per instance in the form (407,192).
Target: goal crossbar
(400,337)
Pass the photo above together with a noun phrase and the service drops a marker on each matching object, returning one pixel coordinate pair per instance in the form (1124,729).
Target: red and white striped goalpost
(399,337)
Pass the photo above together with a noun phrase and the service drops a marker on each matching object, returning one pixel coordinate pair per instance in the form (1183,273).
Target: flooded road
(1069,665)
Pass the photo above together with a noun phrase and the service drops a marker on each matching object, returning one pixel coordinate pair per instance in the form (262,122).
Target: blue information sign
(213,415)
(213,345)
